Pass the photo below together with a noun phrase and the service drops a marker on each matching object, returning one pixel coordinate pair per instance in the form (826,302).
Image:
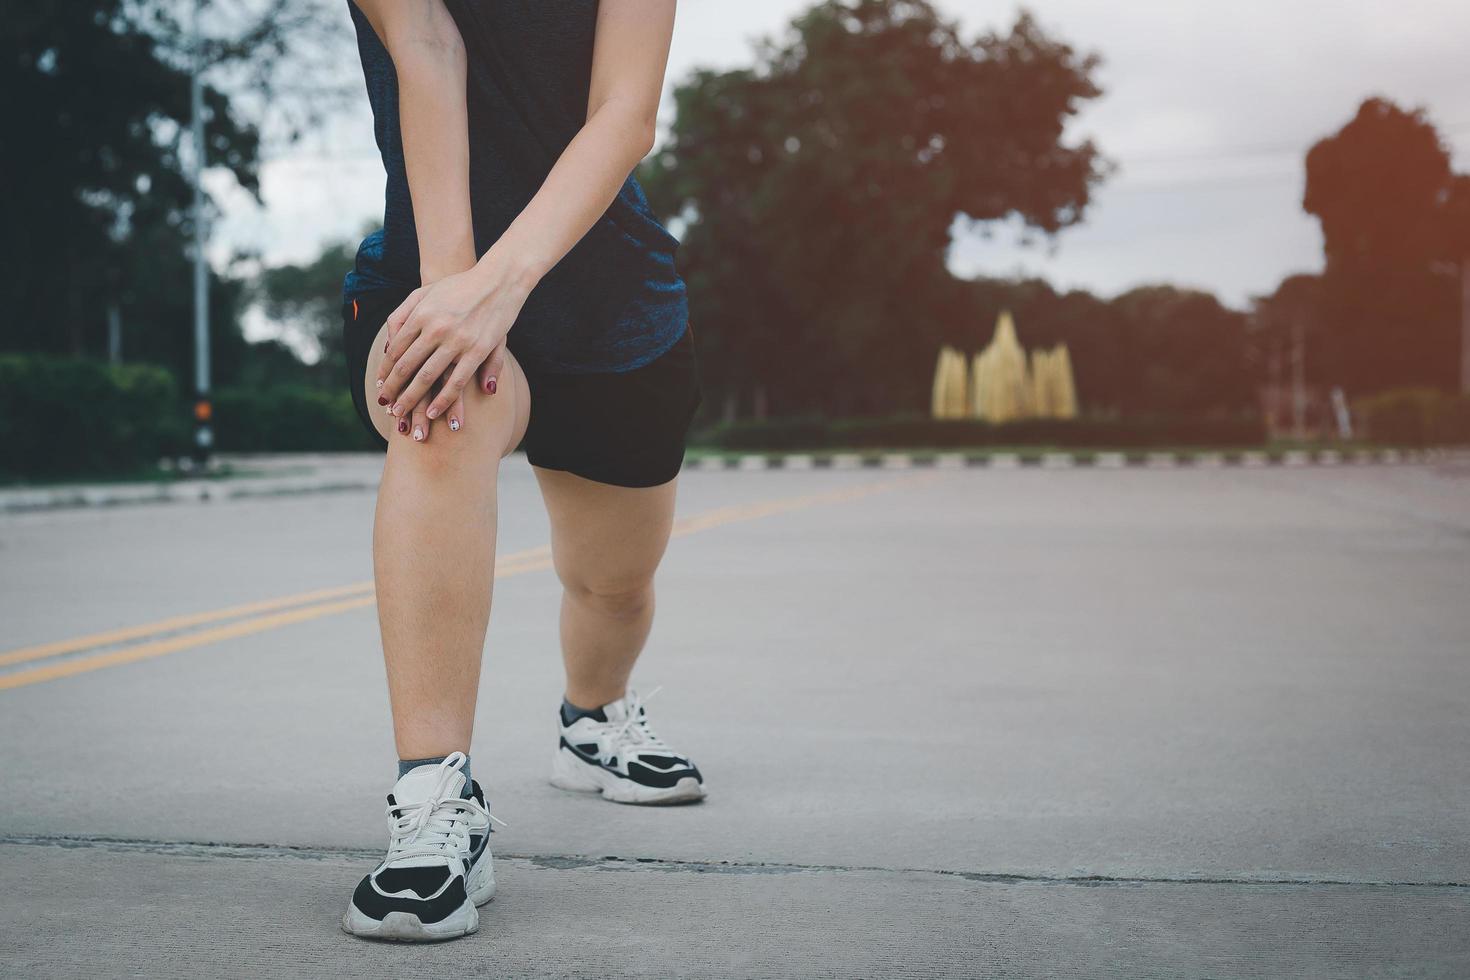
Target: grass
(152,473)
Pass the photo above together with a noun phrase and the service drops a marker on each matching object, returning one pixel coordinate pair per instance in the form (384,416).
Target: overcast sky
(1209,108)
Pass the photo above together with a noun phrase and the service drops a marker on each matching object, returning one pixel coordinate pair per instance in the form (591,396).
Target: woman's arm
(630,55)
(466,316)
(429,60)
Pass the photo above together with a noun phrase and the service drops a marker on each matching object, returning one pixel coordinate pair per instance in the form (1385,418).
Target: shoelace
(635,730)
(440,824)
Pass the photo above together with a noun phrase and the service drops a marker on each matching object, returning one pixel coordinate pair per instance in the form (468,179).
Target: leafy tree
(97,104)
(818,189)
(1187,353)
(1395,224)
(309,297)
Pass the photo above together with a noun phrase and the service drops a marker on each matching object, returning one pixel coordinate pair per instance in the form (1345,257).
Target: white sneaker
(438,865)
(617,754)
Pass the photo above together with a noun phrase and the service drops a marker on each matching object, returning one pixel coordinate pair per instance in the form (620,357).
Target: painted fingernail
(382,400)
(453,424)
(380,382)
(490,385)
(388,409)
(418,433)
(403,425)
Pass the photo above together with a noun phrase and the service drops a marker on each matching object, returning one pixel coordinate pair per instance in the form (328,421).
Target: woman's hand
(442,336)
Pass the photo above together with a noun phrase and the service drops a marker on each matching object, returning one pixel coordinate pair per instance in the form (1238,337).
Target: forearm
(429,61)
(576,193)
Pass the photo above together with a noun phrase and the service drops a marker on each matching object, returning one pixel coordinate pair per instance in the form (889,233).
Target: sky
(1208,111)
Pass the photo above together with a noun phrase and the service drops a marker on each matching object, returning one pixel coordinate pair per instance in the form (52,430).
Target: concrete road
(955,723)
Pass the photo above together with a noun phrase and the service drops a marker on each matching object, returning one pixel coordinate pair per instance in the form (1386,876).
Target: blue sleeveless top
(615,301)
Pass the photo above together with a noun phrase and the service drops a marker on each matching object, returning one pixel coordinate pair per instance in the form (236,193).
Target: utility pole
(114,334)
(1465,325)
(1298,379)
(203,434)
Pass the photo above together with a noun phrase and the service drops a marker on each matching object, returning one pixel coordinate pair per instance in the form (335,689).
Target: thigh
(622,428)
(606,538)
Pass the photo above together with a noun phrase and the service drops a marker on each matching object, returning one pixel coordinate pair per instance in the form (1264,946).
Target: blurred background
(1198,709)
(904,225)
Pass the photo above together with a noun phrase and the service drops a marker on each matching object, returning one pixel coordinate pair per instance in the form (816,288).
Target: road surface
(1026,722)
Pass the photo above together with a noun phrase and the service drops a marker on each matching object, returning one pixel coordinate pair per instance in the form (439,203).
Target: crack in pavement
(613,862)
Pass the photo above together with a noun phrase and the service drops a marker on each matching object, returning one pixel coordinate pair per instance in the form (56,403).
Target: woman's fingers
(398,368)
(453,388)
(419,428)
(412,385)
(488,374)
(396,322)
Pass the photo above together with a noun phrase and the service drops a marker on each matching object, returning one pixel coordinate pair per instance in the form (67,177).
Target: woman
(519,292)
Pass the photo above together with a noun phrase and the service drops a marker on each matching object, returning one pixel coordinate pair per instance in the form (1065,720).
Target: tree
(97,110)
(309,297)
(1186,353)
(818,190)
(1395,226)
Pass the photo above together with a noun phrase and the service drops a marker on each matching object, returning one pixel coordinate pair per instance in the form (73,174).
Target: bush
(918,431)
(74,417)
(287,418)
(1415,417)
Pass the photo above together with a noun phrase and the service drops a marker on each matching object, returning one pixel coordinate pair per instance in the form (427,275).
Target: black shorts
(625,428)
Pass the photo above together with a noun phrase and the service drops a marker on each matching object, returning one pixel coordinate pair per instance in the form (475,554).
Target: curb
(1250,459)
(205,491)
(185,491)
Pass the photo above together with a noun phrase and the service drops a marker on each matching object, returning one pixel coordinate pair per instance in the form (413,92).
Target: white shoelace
(438,826)
(635,731)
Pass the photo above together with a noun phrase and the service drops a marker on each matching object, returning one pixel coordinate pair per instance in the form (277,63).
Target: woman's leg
(434,559)
(606,544)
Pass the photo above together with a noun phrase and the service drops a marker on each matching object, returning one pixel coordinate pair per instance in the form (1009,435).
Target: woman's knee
(618,599)
(492,425)
(516,375)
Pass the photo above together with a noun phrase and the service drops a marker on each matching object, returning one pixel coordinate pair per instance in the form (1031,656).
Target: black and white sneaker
(614,752)
(438,865)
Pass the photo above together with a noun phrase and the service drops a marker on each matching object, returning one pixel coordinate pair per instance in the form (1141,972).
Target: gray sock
(571,712)
(404,765)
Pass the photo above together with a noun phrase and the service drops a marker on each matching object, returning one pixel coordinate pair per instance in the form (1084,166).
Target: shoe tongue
(616,710)
(418,784)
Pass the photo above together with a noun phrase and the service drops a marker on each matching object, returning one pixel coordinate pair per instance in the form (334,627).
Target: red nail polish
(491,386)
(382,400)
(403,425)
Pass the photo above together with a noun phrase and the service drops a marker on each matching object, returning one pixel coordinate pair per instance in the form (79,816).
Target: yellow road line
(538,557)
(158,648)
(313,605)
(746,512)
(176,623)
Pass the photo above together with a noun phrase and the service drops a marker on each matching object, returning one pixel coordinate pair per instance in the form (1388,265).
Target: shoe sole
(570,773)
(405,927)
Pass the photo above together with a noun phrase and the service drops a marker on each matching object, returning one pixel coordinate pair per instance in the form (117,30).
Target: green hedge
(71,417)
(287,418)
(917,431)
(79,418)
(1415,417)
